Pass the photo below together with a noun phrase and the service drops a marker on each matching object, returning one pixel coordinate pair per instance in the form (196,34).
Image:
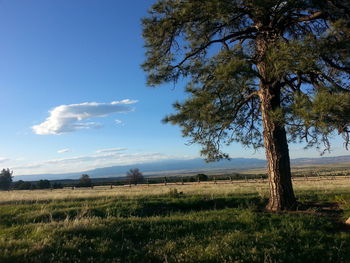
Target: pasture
(194,222)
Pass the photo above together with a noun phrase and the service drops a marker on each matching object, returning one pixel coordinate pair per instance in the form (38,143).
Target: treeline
(134,177)
(42,184)
(6,183)
(128,180)
(203,178)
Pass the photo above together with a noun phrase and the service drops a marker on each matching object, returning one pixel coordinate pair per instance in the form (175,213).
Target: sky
(73,94)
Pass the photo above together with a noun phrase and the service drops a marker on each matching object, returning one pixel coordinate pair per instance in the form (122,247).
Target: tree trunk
(277,153)
(275,137)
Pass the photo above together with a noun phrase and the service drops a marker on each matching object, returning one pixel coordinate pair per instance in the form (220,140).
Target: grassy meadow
(194,222)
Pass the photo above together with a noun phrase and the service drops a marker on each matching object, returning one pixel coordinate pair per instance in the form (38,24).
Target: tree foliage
(85,181)
(5,179)
(23,185)
(44,184)
(134,176)
(220,48)
(202,177)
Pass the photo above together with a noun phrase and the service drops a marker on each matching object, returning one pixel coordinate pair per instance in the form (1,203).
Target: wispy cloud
(104,158)
(29,166)
(4,159)
(119,122)
(70,118)
(109,150)
(64,151)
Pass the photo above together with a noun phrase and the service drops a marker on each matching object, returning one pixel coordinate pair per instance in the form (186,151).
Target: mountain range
(182,167)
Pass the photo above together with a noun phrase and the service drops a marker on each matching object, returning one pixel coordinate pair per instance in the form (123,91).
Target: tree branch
(209,43)
(336,66)
(314,16)
(240,105)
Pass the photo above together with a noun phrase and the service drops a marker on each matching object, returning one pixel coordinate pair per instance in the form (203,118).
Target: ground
(195,222)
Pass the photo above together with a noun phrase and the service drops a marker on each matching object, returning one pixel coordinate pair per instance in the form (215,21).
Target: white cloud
(64,151)
(111,150)
(28,166)
(4,159)
(69,118)
(118,122)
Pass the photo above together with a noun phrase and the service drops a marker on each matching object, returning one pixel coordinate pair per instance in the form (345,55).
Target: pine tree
(260,72)
(5,179)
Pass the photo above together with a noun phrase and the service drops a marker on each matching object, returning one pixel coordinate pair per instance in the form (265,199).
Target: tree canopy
(5,179)
(84,181)
(259,72)
(134,176)
(228,49)
(44,184)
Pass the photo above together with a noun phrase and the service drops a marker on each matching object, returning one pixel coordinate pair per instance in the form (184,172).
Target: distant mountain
(154,168)
(183,166)
(321,160)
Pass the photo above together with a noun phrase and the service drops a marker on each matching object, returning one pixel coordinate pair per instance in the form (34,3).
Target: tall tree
(5,179)
(260,72)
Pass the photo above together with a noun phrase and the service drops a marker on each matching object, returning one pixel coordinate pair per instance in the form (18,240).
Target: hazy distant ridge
(193,165)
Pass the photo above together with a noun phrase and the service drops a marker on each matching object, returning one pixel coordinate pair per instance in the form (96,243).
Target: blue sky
(73,95)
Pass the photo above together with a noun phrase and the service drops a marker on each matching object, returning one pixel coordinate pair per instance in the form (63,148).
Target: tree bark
(277,153)
(275,137)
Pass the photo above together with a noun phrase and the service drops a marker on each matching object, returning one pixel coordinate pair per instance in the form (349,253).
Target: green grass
(207,226)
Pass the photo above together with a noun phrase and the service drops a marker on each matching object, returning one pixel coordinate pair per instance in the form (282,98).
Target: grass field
(206,222)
